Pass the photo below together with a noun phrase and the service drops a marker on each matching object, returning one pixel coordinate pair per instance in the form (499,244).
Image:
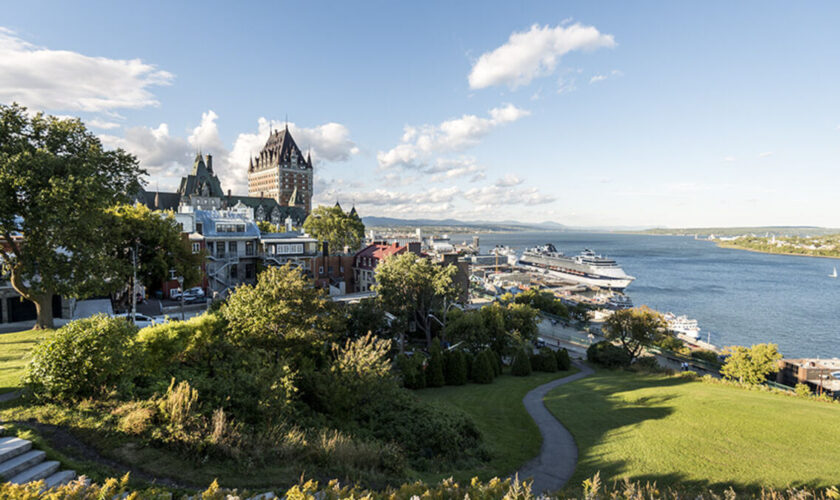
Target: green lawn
(670,429)
(509,433)
(14,350)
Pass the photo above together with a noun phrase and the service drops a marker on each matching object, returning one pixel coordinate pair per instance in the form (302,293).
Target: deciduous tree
(750,365)
(56,182)
(411,287)
(337,228)
(635,329)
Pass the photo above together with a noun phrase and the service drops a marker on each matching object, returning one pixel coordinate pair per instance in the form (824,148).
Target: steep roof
(201,181)
(378,251)
(279,148)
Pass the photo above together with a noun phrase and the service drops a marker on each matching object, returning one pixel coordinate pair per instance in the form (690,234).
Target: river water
(738,297)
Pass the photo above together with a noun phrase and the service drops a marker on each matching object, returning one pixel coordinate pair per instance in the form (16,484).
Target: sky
(635,114)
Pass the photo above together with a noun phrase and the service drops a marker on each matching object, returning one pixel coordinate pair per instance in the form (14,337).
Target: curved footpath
(555,464)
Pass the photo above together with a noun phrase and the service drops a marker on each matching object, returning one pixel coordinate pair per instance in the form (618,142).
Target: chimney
(209,162)
(228,193)
(261,194)
(414,247)
(325,249)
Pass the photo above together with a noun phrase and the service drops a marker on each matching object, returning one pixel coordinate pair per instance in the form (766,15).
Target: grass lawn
(509,433)
(14,350)
(672,430)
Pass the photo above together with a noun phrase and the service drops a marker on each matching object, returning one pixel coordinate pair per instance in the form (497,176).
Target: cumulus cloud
(420,143)
(495,195)
(509,180)
(168,157)
(765,154)
(47,79)
(445,169)
(102,124)
(533,53)
(597,78)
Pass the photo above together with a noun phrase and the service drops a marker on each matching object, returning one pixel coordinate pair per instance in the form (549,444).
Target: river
(738,297)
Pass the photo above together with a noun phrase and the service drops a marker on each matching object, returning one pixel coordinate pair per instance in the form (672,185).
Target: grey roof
(201,181)
(209,220)
(279,148)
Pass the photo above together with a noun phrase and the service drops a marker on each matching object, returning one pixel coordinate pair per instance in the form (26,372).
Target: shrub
(647,364)
(521,366)
(179,408)
(496,362)
(434,370)
(425,432)
(411,370)
(608,355)
(802,390)
(482,372)
(455,364)
(544,361)
(707,356)
(563,360)
(86,358)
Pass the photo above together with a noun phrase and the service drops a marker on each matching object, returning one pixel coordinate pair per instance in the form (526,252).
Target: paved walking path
(558,456)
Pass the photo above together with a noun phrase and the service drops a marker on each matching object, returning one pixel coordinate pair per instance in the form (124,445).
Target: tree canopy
(750,365)
(157,238)
(635,329)
(56,182)
(411,287)
(338,229)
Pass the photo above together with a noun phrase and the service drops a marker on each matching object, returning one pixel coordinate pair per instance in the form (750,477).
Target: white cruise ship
(587,268)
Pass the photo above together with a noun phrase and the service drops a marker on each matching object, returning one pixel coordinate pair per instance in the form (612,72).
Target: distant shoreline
(723,244)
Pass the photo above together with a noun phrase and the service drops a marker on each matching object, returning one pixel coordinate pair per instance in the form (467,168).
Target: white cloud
(495,196)
(765,154)
(102,124)
(597,78)
(533,53)
(420,143)
(729,158)
(168,157)
(47,79)
(447,169)
(612,74)
(509,180)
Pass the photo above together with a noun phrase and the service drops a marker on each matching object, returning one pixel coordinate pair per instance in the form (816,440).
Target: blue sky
(583,113)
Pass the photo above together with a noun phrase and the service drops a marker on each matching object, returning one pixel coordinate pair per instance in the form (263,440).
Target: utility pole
(181,286)
(134,284)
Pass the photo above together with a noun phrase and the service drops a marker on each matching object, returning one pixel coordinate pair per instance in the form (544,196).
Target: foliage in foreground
(750,365)
(508,489)
(269,377)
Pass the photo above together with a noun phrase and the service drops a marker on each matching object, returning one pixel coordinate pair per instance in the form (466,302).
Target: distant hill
(508,225)
(738,231)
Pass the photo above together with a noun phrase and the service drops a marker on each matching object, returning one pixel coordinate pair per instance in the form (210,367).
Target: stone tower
(281,172)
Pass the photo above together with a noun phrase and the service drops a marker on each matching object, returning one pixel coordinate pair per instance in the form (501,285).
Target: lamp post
(134,284)
(181,286)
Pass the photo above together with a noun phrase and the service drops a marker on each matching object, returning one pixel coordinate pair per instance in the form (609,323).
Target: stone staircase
(20,464)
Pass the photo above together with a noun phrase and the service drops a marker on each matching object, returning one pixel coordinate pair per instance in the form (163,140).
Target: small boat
(834,274)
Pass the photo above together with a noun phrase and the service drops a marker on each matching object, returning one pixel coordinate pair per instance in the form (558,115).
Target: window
(232,247)
(250,271)
(320,269)
(196,247)
(341,269)
(199,228)
(234,272)
(330,270)
(210,247)
(249,249)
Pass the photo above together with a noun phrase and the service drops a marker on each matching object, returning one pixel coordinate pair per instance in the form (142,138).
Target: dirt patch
(65,442)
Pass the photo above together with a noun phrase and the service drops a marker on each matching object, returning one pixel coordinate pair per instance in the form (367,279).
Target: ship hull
(612,283)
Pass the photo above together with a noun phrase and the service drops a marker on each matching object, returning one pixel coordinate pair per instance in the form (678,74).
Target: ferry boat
(587,268)
(682,325)
(618,302)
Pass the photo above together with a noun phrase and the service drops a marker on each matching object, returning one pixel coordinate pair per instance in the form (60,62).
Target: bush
(434,370)
(86,358)
(411,370)
(496,362)
(707,356)
(647,364)
(544,361)
(608,355)
(455,364)
(802,390)
(425,432)
(564,362)
(521,366)
(482,372)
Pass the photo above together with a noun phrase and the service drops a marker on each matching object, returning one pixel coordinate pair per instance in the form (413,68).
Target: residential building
(366,260)
(820,375)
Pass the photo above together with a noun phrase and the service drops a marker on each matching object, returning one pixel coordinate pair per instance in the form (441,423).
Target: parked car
(140,320)
(540,342)
(175,294)
(196,290)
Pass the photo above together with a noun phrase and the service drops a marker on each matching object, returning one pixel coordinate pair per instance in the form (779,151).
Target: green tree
(410,287)
(434,371)
(281,311)
(366,317)
(157,239)
(750,365)
(455,367)
(482,369)
(543,301)
(338,229)
(267,227)
(468,329)
(56,182)
(635,329)
(521,366)
(563,360)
